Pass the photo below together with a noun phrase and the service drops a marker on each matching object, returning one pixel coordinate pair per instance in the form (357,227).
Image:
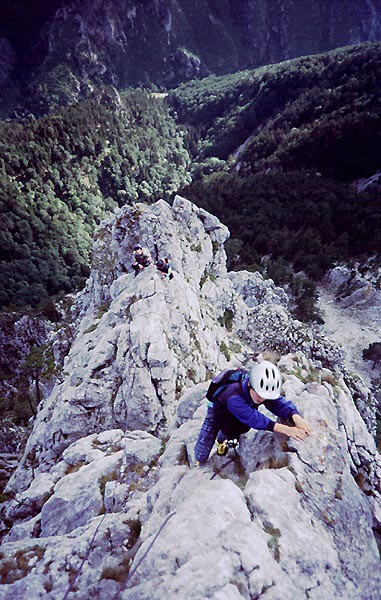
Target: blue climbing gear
(209,429)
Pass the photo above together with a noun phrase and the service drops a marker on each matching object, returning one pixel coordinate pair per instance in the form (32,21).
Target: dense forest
(279,146)
(286,223)
(275,152)
(61,174)
(318,112)
(289,216)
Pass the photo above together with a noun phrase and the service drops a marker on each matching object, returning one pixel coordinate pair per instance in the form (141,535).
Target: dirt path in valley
(354,328)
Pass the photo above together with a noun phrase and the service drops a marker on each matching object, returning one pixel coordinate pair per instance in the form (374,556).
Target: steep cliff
(106,501)
(78,44)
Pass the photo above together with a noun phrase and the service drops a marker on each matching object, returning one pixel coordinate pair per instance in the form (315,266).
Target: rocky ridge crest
(105,501)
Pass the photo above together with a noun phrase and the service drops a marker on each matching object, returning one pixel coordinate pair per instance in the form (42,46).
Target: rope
(71,585)
(226,464)
(131,573)
(85,558)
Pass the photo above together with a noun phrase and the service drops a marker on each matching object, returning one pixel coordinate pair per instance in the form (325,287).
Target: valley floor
(354,328)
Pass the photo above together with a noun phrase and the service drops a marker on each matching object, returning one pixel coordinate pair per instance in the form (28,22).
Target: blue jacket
(235,411)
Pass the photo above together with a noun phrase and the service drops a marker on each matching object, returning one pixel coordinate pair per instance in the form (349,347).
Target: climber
(162,265)
(141,258)
(233,410)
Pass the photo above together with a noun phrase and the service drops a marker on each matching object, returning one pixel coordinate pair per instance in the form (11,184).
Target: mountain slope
(296,219)
(61,174)
(101,506)
(275,151)
(318,112)
(73,45)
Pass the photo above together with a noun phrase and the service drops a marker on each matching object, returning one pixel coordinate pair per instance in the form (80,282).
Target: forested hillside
(275,152)
(54,51)
(280,145)
(318,112)
(61,174)
(298,221)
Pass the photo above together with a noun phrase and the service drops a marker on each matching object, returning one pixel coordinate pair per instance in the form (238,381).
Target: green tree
(38,368)
(305,300)
(373,353)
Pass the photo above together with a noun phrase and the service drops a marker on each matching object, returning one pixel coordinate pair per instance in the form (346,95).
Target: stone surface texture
(107,501)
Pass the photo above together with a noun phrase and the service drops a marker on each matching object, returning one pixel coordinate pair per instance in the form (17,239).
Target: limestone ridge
(104,502)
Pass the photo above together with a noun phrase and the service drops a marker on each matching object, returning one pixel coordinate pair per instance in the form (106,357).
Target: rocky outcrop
(7,60)
(357,287)
(285,518)
(350,301)
(140,340)
(107,501)
(277,528)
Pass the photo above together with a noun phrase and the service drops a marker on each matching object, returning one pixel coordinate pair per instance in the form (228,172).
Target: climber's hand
(302,424)
(296,433)
(293,432)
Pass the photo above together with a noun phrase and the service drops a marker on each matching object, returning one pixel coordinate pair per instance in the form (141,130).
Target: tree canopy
(318,112)
(61,174)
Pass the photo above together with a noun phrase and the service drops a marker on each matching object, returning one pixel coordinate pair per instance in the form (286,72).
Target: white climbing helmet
(266,380)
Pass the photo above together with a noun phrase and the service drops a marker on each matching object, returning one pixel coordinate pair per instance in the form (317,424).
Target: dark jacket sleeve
(281,408)
(248,415)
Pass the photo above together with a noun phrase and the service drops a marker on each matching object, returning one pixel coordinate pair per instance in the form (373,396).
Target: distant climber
(162,265)
(234,398)
(141,259)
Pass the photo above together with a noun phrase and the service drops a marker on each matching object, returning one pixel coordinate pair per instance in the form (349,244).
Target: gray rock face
(107,501)
(266,322)
(350,301)
(7,62)
(355,289)
(140,340)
